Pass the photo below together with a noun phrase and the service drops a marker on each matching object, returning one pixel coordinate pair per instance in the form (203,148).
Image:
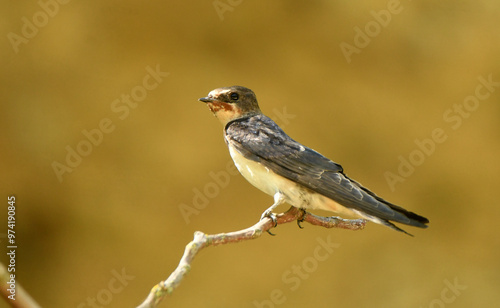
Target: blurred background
(114,163)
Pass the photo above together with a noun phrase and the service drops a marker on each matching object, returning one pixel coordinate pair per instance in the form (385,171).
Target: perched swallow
(292,173)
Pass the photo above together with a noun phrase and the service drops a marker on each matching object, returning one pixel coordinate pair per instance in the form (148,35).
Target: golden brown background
(119,208)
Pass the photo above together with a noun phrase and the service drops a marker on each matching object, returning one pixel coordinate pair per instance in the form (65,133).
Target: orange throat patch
(224,112)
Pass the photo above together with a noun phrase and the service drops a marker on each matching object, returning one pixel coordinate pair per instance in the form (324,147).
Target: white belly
(295,194)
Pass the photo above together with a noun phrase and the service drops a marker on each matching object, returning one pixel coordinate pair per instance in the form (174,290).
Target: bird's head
(230,103)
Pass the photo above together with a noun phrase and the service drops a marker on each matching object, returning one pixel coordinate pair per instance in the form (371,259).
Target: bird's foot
(302,218)
(279,198)
(269,214)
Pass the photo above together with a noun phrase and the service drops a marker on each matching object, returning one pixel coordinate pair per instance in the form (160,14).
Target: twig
(202,240)
(22,298)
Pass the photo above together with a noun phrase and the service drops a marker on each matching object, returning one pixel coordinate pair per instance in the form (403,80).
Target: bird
(290,172)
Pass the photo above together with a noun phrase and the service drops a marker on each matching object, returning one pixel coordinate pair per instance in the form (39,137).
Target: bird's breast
(257,174)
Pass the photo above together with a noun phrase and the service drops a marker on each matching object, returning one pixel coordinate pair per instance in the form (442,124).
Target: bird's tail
(405,217)
(415,220)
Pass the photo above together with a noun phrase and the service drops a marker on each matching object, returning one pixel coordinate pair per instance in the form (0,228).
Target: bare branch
(335,222)
(21,297)
(202,240)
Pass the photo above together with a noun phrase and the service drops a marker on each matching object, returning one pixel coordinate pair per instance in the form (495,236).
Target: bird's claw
(298,223)
(271,216)
(302,218)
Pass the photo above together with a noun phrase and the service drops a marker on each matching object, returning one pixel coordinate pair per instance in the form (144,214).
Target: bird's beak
(207,99)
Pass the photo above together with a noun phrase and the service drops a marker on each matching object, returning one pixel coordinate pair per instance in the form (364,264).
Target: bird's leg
(302,218)
(279,198)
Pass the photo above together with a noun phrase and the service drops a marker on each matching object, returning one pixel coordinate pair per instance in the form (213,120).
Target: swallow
(291,172)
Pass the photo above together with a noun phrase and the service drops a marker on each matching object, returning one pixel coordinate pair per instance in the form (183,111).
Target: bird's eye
(234,96)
